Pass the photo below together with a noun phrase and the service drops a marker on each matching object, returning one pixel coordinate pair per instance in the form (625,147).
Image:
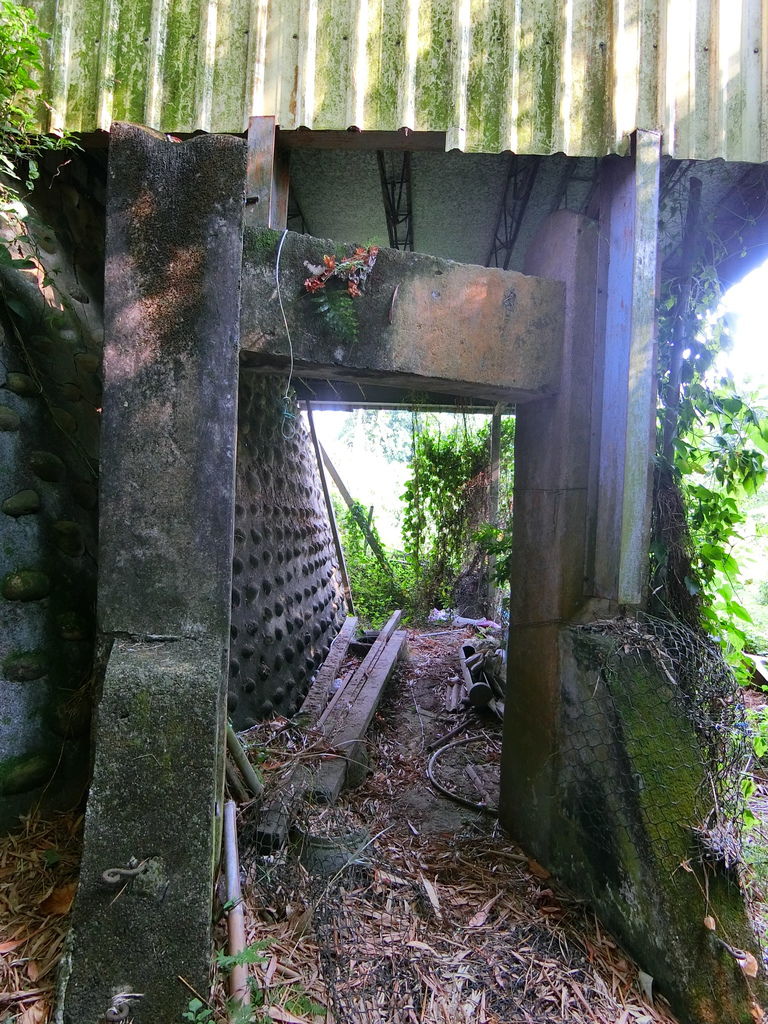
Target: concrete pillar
(583,468)
(621,474)
(174,250)
(552,439)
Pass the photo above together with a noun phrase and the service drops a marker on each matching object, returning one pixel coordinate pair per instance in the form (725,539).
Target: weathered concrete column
(583,468)
(621,474)
(552,441)
(174,248)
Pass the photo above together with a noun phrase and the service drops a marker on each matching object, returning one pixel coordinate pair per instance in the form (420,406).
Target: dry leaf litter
(38,879)
(397,905)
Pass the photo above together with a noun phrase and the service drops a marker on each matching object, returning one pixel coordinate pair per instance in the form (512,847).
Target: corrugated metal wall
(533,76)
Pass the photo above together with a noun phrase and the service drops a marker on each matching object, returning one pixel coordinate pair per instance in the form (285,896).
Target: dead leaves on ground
(38,874)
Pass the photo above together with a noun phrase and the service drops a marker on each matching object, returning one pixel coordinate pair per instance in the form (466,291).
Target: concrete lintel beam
(424,322)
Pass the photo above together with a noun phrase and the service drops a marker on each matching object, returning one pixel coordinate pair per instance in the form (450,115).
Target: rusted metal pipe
(238,978)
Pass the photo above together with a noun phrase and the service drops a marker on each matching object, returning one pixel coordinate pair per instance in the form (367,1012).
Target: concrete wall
(552,456)
(50,352)
(287,603)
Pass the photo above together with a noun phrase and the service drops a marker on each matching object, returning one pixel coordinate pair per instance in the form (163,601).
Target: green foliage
(710,455)
(444,517)
(497,542)
(198,1013)
(375,590)
(719,453)
(253,954)
(446,503)
(384,430)
(21,62)
(335,308)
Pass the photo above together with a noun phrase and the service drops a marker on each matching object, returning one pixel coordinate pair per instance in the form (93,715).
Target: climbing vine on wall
(21,61)
(711,449)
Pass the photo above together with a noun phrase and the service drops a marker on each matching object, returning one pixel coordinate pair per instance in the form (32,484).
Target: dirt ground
(418,909)
(396,906)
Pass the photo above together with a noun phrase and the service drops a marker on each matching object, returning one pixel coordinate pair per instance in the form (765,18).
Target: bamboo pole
(240,758)
(331,515)
(236,788)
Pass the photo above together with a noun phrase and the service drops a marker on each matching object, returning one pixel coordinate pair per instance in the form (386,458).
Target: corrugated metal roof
(533,76)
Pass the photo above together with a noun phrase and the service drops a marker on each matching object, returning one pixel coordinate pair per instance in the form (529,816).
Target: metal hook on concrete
(121,1005)
(113,876)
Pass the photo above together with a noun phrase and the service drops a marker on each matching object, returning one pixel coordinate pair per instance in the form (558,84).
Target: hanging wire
(288,423)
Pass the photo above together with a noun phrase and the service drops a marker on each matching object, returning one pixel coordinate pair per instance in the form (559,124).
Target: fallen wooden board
(278,811)
(346,729)
(347,694)
(319,692)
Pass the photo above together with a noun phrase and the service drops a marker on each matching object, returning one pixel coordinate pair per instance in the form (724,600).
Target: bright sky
(747,302)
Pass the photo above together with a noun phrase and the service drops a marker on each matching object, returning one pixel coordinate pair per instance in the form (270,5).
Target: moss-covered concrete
(174,245)
(630,792)
(154,796)
(170,384)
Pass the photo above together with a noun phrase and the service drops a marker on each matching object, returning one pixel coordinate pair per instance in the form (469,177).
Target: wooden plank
(319,692)
(259,173)
(346,732)
(278,811)
(278,209)
(348,693)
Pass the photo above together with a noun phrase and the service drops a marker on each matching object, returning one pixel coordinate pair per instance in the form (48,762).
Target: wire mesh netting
(661,738)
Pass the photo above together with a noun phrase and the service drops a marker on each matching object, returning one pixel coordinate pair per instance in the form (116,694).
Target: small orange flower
(330,262)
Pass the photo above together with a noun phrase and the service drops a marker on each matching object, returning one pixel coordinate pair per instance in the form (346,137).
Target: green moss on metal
(181,48)
(488,80)
(386,60)
(335,43)
(131,57)
(434,67)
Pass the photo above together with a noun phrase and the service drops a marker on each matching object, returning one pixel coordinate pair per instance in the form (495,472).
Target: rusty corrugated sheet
(533,76)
